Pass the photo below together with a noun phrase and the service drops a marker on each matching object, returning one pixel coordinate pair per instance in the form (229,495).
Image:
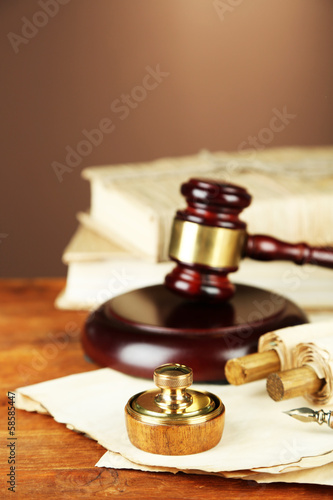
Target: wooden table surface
(39,343)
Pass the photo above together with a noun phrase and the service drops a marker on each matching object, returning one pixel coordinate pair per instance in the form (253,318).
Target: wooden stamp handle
(266,248)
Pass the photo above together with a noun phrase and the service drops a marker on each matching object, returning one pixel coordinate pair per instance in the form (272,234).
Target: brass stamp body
(172,420)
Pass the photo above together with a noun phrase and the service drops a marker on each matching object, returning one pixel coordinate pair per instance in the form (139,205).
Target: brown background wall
(228,68)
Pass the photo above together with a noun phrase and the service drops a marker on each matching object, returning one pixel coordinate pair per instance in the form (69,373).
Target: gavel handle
(261,247)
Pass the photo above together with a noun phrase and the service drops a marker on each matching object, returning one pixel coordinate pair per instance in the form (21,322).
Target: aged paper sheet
(257,434)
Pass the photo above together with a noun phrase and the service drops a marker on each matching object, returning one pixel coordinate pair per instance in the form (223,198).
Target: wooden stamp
(174,420)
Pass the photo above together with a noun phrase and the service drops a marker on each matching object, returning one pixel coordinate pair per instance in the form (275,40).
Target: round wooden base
(140,330)
(185,439)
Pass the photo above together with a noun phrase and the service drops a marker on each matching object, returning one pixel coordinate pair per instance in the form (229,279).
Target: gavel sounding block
(144,328)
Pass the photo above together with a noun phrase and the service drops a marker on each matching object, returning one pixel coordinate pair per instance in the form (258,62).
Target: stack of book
(122,241)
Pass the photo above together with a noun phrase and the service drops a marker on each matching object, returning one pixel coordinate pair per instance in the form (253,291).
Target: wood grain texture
(293,383)
(175,439)
(54,462)
(252,367)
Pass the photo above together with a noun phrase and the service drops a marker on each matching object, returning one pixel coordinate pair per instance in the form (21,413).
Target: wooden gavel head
(208,240)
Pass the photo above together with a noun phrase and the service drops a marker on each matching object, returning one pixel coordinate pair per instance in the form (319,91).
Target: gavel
(208,240)
(196,316)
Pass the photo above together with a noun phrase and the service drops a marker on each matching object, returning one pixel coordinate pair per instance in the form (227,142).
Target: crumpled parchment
(259,441)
